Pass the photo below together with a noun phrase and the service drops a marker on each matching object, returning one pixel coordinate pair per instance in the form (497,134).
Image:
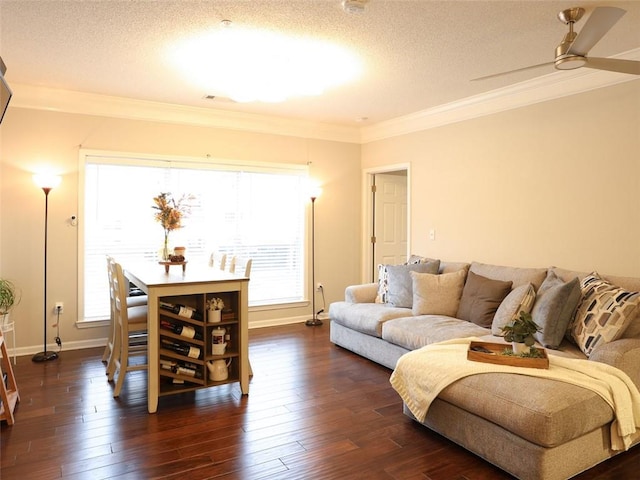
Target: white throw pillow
(437,294)
(520,299)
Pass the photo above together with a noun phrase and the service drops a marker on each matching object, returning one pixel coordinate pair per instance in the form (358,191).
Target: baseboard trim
(101,342)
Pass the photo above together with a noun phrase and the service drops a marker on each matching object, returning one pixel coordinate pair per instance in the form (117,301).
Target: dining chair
(217,260)
(242,265)
(230,264)
(131,332)
(132,301)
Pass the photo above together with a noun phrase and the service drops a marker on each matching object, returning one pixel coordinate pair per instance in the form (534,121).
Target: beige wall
(556,183)
(32,139)
(553,183)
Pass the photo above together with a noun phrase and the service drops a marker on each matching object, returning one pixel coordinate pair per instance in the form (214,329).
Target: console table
(192,288)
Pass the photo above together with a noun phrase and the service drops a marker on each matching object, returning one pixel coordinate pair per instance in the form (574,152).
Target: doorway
(387,214)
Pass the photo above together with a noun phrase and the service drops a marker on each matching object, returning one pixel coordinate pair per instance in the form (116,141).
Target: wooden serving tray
(497,358)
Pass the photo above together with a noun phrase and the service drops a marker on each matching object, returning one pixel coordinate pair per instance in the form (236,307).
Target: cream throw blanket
(422,374)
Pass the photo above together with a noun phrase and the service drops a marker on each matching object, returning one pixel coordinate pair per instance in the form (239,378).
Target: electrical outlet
(319,287)
(59,308)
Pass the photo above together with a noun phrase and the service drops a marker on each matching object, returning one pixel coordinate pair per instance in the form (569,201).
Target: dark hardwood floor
(315,411)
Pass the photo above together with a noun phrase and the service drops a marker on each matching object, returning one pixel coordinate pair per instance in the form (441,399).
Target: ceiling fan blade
(614,65)
(598,24)
(531,67)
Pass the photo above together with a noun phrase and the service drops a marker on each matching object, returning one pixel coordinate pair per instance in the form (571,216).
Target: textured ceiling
(416,54)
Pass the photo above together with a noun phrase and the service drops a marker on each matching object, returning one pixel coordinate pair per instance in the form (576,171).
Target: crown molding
(540,89)
(67,101)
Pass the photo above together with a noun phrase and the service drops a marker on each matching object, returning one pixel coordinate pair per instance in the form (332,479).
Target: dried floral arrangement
(170,213)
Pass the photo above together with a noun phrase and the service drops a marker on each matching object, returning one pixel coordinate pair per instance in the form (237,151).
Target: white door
(389,219)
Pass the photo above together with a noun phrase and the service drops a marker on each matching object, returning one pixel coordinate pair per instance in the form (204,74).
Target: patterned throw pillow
(603,315)
(383,284)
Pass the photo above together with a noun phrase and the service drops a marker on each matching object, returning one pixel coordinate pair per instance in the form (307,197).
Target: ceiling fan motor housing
(563,60)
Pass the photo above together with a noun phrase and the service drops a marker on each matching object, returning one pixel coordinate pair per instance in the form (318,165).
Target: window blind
(252,211)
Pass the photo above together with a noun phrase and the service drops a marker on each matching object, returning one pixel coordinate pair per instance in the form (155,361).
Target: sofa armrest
(365,293)
(623,354)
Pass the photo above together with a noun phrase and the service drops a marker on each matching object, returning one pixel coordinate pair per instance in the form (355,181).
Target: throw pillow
(418,259)
(555,305)
(437,294)
(400,288)
(520,299)
(383,284)
(604,313)
(481,298)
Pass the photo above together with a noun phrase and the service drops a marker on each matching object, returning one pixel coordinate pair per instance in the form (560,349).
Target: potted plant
(519,332)
(8,299)
(215,306)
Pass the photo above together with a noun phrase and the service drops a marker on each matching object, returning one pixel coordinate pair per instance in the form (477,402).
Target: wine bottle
(182,330)
(190,351)
(182,310)
(181,368)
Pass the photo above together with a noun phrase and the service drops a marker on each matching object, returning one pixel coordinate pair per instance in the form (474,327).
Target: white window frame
(155,160)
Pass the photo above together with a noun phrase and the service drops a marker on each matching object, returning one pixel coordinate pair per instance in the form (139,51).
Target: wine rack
(173,378)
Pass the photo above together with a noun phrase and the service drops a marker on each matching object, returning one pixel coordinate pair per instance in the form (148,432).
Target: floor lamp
(46,182)
(315,321)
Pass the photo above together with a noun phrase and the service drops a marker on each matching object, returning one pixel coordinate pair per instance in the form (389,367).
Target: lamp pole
(46,184)
(315,321)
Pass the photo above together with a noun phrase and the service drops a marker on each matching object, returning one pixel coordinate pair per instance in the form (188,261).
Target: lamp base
(44,356)
(313,322)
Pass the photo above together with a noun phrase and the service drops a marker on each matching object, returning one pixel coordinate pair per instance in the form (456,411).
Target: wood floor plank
(315,411)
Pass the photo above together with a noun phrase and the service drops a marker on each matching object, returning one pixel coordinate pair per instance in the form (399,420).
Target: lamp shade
(314,191)
(47,180)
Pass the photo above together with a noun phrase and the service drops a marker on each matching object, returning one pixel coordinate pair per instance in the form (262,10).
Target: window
(254,211)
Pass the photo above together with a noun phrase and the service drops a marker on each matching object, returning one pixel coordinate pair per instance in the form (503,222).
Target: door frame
(367,271)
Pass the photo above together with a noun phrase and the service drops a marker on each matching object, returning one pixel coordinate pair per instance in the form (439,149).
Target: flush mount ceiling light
(354,6)
(258,65)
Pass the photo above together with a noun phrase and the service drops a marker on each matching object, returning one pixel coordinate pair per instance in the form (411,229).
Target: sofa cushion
(553,309)
(365,317)
(517,275)
(416,332)
(520,299)
(605,312)
(437,294)
(481,298)
(400,284)
(543,411)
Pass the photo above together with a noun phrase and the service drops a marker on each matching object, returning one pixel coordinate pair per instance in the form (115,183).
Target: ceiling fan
(572,51)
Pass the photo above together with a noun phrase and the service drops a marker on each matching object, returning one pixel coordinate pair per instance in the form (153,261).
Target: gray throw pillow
(481,298)
(555,305)
(400,284)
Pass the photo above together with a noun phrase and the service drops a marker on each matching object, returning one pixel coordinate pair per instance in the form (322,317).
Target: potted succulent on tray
(519,332)
(8,299)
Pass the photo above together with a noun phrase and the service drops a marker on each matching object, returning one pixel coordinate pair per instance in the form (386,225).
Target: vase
(165,252)
(520,348)
(215,316)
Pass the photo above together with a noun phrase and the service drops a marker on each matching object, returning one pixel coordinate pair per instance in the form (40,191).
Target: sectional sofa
(534,428)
